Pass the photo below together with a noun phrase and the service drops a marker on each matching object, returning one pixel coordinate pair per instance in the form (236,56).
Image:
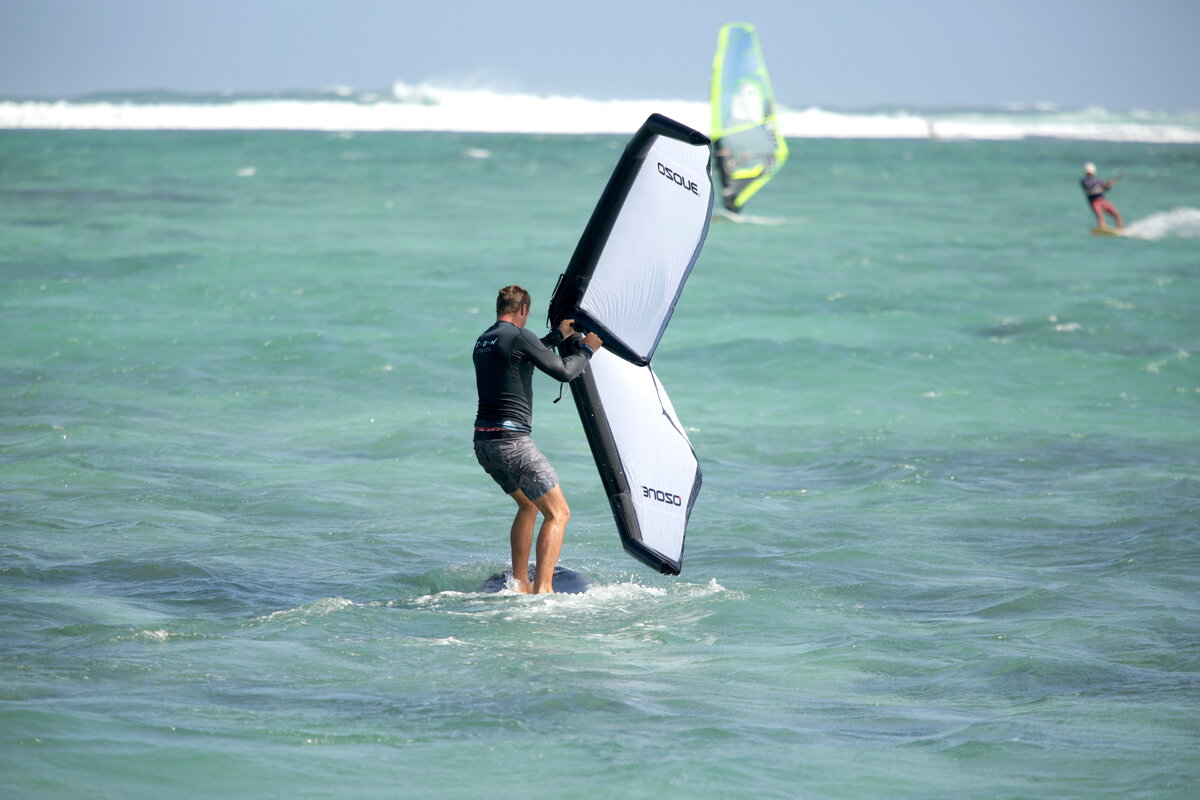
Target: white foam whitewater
(1181,223)
(436,108)
(606,599)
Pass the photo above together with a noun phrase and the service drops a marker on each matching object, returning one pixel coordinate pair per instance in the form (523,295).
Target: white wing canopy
(641,270)
(652,452)
(623,282)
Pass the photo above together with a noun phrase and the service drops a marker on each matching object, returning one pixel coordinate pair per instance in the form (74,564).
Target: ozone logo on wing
(678,179)
(662,497)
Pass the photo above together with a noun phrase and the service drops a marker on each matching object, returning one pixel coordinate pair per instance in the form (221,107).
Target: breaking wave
(432,108)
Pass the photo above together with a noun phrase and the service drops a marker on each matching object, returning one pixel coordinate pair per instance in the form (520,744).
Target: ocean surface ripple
(946,546)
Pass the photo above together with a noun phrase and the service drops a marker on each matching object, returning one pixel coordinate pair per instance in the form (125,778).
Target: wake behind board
(1108,231)
(725,215)
(565,581)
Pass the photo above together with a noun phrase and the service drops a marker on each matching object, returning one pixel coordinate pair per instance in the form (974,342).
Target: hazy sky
(843,53)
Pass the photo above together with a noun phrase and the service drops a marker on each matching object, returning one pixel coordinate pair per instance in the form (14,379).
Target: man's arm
(562,368)
(567,330)
(553,338)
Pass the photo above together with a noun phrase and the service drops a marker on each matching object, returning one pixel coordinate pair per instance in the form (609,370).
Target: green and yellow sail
(748,147)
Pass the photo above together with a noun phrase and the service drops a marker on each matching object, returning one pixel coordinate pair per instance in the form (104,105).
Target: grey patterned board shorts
(516,464)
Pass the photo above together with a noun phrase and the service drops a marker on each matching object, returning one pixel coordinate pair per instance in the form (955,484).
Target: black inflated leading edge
(565,305)
(572,284)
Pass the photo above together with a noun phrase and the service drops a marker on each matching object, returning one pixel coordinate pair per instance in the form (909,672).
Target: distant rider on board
(1095,188)
(505,355)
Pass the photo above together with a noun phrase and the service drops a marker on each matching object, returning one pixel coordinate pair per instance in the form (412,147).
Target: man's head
(1089,168)
(513,302)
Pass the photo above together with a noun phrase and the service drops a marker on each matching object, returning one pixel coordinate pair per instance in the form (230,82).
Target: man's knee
(558,512)
(524,504)
(553,506)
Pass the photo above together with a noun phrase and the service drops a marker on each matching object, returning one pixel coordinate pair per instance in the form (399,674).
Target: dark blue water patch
(1034,675)
(1085,333)
(43,222)
(759,363)
(1014,464)
(102,197)
(465,577)
(56,276)
(1181,267)
(167,585)
(795,471)
(20,433)
(1031,463)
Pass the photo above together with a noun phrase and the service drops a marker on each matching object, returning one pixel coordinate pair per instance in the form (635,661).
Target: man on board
(505,355)
(1095,188)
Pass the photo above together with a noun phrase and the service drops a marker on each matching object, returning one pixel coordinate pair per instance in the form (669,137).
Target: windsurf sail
(747,144)
(623,282)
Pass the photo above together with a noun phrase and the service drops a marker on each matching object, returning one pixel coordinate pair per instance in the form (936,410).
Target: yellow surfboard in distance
(1108,231)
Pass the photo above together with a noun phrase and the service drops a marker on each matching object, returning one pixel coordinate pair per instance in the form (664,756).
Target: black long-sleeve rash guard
(505,356)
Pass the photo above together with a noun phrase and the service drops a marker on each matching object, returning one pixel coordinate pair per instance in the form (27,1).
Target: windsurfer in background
(505,355)
(1095,188)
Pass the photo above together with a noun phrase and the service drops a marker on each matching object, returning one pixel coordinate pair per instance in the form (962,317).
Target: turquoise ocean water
(948,543)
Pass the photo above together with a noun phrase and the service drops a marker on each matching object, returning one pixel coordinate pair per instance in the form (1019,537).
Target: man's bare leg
(555,515)
(520,538)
